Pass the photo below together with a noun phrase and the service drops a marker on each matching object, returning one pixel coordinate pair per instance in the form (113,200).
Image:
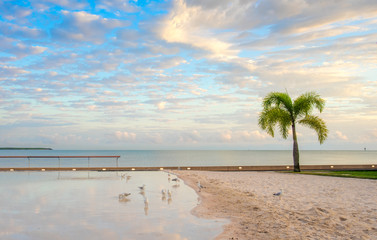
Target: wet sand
(311,207)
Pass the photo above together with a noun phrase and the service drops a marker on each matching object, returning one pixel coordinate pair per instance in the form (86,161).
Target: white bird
(142,188)
(200,186)
(123,196)
(279,193)
(163,192)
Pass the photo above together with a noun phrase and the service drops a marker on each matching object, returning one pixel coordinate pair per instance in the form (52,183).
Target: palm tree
(278,109)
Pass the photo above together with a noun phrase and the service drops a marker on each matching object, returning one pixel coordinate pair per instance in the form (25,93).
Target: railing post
(28,161)
(117,161)
(88,162)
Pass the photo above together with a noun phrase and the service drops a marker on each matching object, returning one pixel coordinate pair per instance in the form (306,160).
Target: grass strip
(365,174)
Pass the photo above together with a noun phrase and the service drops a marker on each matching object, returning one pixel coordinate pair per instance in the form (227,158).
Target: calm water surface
(187,158)
(85,205)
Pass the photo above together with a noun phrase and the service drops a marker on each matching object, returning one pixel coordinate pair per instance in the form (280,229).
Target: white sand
(311,207)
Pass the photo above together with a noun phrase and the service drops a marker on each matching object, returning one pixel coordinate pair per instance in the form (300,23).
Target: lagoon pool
(86,205)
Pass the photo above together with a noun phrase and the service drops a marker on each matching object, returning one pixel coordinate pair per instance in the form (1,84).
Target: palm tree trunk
(296,155)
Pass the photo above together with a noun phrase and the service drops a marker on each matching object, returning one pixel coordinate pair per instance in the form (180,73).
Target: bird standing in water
(123,196)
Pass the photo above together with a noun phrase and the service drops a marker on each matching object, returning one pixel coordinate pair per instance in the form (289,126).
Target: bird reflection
(124,200)
(142,193)
(169,196)
(146,206)
(163,195)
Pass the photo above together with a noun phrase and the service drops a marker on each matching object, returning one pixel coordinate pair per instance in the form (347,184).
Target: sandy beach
(311,207)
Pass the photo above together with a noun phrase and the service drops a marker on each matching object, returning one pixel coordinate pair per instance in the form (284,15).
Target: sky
(183,74)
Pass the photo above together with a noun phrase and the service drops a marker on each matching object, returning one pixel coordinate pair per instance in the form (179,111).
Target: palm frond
(278,99)
(284,124)
(269,118)
(304,104)
(317,124)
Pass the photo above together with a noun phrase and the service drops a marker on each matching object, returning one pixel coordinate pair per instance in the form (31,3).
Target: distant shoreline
(15,148)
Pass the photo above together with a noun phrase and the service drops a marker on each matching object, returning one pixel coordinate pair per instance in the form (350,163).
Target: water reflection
(73,205)
(146,206)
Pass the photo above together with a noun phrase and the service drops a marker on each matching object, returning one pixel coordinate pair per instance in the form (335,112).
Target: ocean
(177,158)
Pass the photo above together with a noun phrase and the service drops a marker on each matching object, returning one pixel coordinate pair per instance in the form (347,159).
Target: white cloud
(193,137)
(226,136)
(92,107)
(83,26)
(13,11)
(11,71)
(374,133)
(161,105)
(19,49)
(44,5)
(116,5)
(125,136)
(14,30)
(254,135)
(340,135)
(181,27)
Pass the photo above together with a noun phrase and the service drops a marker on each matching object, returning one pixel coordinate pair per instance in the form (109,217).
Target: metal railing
(62,157)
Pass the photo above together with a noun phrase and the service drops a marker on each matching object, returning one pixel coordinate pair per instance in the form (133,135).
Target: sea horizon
(176,158)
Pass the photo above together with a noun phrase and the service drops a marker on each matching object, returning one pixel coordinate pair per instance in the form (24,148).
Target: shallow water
(85,205)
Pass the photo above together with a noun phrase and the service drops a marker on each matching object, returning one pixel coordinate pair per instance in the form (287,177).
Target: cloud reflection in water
(81,205)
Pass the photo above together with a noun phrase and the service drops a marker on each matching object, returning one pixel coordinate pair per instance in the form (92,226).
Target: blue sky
(116,74)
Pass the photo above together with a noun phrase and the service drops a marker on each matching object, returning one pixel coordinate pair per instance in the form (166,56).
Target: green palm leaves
(279,110)
(317,125)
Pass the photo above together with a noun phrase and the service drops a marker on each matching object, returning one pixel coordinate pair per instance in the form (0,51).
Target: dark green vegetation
(14,148)
(350,174)
(278,109)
